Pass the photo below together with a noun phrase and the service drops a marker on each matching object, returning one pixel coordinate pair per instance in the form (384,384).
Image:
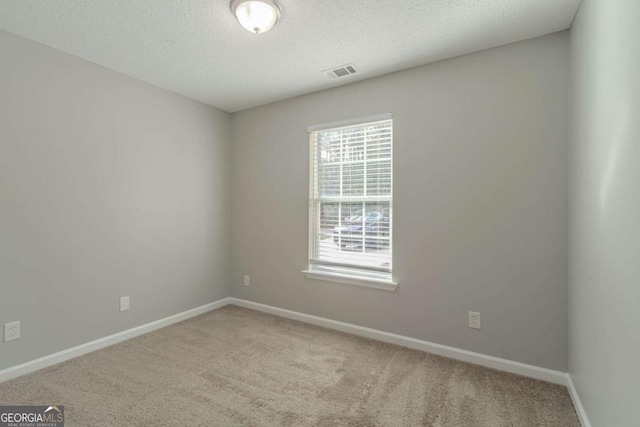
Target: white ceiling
(198,49)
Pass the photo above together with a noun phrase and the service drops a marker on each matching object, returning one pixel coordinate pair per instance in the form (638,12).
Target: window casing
(351,202)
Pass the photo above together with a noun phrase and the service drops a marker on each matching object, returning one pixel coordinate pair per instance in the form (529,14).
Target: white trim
(518,368)
(70,353)
(350,122)
(577,404)
(531,371)
(387,285)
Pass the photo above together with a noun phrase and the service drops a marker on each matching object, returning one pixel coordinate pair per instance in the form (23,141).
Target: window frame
(353,275)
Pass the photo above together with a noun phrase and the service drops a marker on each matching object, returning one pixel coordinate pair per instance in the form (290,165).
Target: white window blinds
(351,205)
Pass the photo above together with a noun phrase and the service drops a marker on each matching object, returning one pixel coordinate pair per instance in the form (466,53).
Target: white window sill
(387,285)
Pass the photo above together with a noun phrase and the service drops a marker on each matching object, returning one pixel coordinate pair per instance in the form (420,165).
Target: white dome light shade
(257,16)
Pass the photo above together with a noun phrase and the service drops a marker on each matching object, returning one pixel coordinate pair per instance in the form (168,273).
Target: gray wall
(108,187)
(480,202)
(604,278)
(112,187)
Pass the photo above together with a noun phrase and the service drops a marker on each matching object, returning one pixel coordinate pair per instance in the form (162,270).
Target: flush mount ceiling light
(257,16)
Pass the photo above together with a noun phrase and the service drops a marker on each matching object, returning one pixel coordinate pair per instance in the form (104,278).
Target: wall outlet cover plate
(11,331)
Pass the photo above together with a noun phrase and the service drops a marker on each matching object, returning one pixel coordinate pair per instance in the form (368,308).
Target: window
(351,203)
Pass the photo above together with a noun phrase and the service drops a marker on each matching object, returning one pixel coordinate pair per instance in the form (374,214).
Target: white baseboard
(523,369)
(61,356)
(577,404)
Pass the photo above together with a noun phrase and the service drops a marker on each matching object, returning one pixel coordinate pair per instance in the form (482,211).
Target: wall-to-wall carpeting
(235,366)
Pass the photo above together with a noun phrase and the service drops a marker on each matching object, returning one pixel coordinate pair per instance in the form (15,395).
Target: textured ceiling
(198,49)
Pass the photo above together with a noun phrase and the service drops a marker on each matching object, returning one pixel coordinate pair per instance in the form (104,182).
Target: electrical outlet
(124,303)
(247,280)
(11,331)
(475,320)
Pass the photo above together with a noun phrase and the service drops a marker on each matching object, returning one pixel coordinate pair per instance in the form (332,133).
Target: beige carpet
(238,367)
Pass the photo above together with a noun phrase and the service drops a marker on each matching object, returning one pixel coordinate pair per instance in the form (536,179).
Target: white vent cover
(342,71)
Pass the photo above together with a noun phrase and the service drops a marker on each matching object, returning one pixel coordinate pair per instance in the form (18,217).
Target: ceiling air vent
(343,71)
